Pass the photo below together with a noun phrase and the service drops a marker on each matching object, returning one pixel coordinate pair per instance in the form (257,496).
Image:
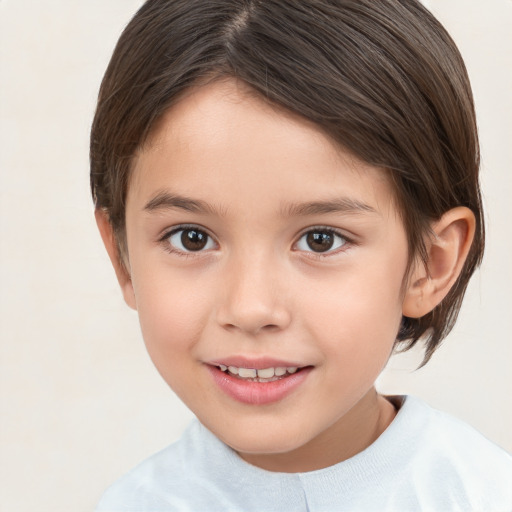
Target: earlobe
(122,272)
(447,251)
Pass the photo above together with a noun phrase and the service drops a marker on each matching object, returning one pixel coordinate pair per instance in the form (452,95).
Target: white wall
(79,400)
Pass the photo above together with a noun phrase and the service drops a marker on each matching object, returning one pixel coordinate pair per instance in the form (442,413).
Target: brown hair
(381,77)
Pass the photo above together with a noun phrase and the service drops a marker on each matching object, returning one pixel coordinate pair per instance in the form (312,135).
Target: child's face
(254,242)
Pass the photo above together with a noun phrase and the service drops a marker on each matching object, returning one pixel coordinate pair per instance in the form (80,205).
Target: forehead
(222,142)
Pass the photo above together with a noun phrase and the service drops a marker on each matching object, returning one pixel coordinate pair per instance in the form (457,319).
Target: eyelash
(165,240)
(345,241)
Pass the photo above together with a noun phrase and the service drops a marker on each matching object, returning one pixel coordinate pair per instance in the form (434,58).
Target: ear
(122,272)
(447,251)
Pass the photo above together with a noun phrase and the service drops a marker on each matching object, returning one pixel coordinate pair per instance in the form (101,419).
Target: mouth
(270,374)
(258,382)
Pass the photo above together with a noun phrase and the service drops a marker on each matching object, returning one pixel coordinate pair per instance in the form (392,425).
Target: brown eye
(320,240)
(194,240)
(190,240)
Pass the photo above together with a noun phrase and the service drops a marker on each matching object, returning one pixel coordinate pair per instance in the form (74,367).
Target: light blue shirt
(424,461)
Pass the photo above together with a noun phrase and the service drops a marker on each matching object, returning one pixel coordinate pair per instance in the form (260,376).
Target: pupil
(320,242)
(193,240)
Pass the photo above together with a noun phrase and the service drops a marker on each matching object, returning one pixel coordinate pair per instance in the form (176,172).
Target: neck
(348,436)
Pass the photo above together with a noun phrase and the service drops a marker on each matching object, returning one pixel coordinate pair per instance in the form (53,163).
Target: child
(288,190)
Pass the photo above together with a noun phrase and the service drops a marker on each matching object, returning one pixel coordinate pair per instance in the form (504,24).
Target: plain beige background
(80,401)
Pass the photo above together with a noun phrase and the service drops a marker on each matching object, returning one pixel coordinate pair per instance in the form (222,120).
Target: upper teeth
(252,373)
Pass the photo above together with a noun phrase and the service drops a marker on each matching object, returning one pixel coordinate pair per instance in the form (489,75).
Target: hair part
(381,78)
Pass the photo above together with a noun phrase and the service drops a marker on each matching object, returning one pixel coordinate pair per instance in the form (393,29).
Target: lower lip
(258,393)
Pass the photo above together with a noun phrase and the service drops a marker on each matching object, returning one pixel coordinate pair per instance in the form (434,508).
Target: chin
(251,441)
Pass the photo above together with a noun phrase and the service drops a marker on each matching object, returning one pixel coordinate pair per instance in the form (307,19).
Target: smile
(258,386)
(259,375)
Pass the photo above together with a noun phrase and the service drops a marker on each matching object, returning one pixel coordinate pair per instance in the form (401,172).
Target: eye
(190,240)
(320,241)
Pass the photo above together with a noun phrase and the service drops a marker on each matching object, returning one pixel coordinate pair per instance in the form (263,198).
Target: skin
(257,288)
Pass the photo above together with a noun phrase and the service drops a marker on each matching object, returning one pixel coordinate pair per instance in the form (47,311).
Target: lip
(257,393)
(257,363)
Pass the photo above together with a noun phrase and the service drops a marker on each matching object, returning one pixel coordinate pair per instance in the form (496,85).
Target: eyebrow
(167,201)
(338,205)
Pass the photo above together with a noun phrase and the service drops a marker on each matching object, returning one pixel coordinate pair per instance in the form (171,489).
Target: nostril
(265,328)
(270,327)
(252,316)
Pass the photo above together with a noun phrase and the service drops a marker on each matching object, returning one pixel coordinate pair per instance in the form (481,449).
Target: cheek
(356,315)
(172,313)
(356,341)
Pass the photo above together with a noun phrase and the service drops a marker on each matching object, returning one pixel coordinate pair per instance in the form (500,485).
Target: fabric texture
(424,461)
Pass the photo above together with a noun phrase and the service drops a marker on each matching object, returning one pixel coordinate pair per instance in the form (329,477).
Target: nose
(254,299)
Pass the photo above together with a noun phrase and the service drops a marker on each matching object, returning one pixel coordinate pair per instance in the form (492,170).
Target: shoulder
(454,438)
(199,472)
(157,483)
(453,458)
(144,484)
